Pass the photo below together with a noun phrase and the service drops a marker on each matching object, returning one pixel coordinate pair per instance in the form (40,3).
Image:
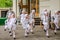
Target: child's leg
(47,34)
(57,26)
(33,23)
(14,36)
(55,30)
(46,27)
(10,30)
(26,30)
(5,27)
(13,31)
(31,29)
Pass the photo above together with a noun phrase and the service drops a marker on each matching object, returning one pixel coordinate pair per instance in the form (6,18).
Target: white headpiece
(33,10)
(44,9)
(26,15)
(23,11)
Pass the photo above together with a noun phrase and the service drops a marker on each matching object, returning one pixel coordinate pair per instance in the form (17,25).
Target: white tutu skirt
(12,26)
(46,25)
(31,20)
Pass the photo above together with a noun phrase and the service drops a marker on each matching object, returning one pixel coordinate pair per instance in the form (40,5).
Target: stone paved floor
(39,34)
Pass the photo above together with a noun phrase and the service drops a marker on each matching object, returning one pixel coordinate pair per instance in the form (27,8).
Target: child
(26,25)
(32,21)
(24,22)
(12,25)
(22,17)
(45,22)
(56,21)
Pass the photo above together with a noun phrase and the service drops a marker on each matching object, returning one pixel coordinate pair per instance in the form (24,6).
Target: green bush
(5,3)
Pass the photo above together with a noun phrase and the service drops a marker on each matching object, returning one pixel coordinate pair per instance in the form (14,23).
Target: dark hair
(58,11)
(34,9)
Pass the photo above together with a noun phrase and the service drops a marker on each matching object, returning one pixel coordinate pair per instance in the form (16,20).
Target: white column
(15,7)
(18,13)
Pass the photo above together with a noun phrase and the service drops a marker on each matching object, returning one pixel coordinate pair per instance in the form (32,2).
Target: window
(3,13)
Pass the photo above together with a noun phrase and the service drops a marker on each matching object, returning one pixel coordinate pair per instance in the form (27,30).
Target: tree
(5,3)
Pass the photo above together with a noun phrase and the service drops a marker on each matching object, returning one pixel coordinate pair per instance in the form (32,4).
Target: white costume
(7,20)
(56,21)
(31,17)
(31,20)
(26,25)
(45,22)
(10,24)
(6,24)
(22,16)
(24,22)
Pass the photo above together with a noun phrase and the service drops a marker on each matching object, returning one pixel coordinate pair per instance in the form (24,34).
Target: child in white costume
(11,25)
(24,22)
(22,17)
(56,21)
(8,18)
(31,19)
(26,25)
(32,15)
(45,22)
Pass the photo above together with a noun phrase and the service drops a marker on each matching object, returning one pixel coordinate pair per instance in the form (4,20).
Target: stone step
(37,21)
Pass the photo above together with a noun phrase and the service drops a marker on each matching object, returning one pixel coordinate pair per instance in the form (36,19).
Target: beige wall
(15,7)
(43,5)
(52,5)
(18,14)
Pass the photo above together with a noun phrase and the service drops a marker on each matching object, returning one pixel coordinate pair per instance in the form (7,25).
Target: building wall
(52,5)
(3,9)
(43,5)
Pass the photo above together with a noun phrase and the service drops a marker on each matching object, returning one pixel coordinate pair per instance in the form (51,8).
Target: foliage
(5,3)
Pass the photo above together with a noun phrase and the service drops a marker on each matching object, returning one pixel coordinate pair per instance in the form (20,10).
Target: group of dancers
(45,19)
(28,22)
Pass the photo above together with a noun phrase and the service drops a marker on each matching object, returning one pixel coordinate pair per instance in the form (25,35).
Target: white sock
(47,34)
(13,34)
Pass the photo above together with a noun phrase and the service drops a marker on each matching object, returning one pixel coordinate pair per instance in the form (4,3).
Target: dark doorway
(3,13)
